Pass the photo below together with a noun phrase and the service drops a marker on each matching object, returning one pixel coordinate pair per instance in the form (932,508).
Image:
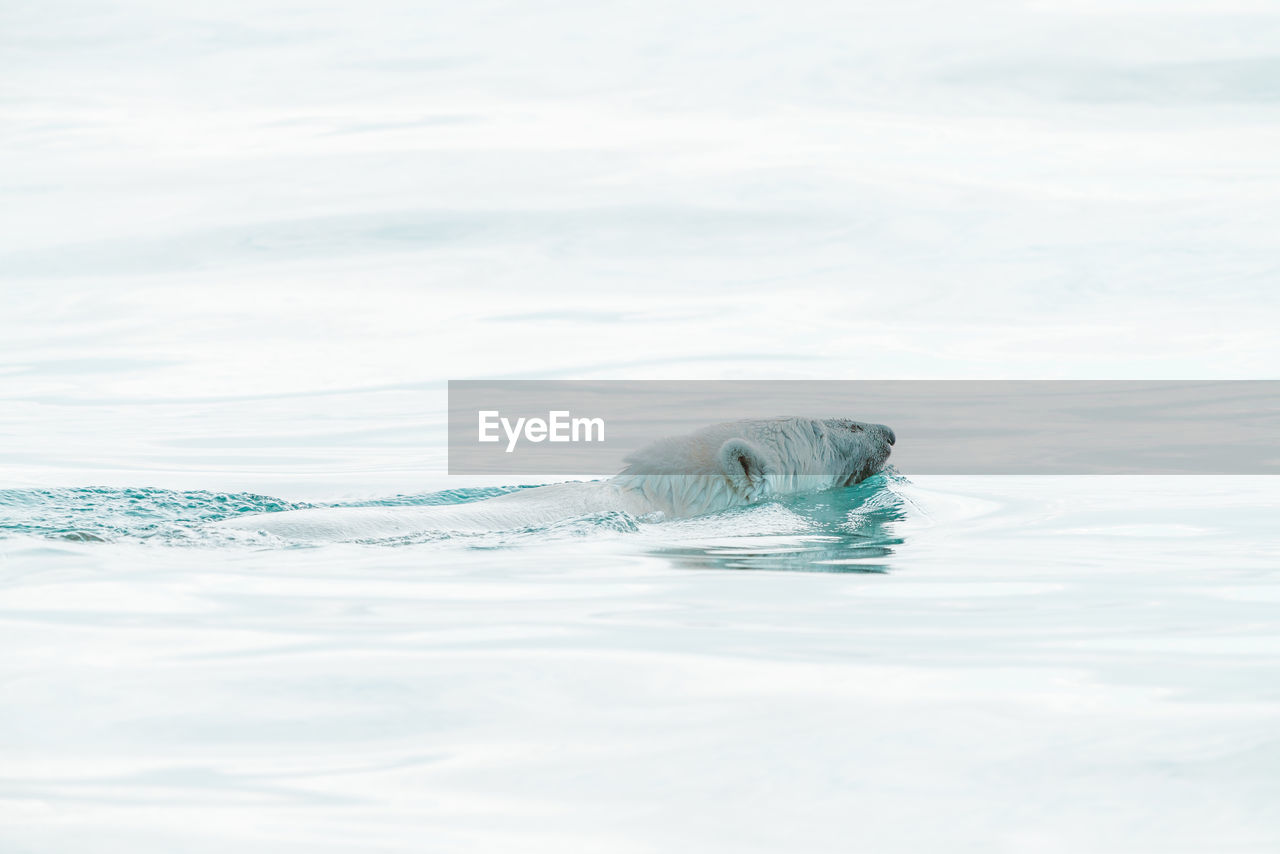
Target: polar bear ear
(745,467)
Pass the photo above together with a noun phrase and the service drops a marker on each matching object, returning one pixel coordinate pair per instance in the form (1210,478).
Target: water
(1051,663)
(243,248)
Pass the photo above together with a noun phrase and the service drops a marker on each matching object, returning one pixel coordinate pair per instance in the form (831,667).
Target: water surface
(243,247)
(1028,662)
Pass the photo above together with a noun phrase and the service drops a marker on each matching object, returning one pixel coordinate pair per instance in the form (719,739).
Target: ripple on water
(846,530)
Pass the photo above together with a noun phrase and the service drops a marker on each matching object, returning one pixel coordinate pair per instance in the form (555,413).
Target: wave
(841,530)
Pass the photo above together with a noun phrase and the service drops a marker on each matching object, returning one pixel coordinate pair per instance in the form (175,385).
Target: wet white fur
(719,467)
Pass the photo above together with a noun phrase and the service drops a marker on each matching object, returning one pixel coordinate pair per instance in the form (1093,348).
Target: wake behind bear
(717,468)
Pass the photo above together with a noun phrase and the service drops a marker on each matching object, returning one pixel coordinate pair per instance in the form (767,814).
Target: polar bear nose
(888,434)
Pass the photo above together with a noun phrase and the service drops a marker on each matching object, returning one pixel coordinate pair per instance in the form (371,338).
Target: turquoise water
(243,248)
(834,531)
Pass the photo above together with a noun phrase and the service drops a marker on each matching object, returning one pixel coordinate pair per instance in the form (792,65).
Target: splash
(105,514)
(840,530)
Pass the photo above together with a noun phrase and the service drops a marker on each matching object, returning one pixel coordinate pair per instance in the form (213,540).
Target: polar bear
(726,465)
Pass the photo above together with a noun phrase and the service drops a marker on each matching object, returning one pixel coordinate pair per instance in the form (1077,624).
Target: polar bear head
(742,462)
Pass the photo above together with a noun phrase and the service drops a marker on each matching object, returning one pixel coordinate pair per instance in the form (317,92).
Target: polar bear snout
(860,448)
(882,431)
